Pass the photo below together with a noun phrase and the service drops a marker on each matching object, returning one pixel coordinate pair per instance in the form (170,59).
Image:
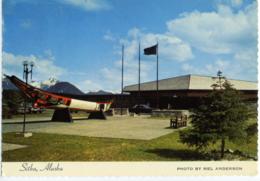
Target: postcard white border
(180,168)
(249,168)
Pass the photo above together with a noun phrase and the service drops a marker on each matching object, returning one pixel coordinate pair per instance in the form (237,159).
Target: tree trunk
(222,147)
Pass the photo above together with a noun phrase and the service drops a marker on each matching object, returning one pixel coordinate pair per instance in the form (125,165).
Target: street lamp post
(26,72)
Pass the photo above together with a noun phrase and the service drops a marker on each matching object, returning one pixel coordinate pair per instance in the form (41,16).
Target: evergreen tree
(11,100)
(222,116)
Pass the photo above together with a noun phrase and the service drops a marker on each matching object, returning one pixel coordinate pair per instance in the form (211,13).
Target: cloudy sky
(80,40)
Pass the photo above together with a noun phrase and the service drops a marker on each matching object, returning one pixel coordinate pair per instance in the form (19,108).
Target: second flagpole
(157,77)
(139,74)
(122,80)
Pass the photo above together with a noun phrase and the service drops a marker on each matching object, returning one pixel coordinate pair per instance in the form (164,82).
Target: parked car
(21,110)
(36,110)
(29,109)
(141,108)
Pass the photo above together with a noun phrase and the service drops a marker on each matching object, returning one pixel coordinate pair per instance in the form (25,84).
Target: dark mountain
(100,92)
(65,88)
(59,87)
(45,87)
(8,85)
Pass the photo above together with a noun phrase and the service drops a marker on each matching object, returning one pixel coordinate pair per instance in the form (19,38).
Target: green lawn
(54,147)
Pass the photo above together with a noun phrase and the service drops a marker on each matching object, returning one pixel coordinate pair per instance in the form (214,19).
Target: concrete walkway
(9,146)
(115,127)
(28,119)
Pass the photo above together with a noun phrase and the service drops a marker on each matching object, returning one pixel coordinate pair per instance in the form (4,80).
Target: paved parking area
(140,127)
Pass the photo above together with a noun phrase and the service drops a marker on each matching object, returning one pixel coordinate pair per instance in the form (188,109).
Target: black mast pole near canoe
(122,80)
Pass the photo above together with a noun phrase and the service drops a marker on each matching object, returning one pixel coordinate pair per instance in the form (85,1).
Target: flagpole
(139,73)
(157,77)
(122,80)
(152,51)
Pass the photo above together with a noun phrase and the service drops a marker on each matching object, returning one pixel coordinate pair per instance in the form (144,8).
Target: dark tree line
(11,102)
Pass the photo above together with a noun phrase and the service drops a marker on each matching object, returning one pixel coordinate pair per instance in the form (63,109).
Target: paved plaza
(9,146)
(128,127)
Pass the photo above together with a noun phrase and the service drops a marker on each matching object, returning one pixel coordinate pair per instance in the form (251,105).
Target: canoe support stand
(62,115)
(97,115)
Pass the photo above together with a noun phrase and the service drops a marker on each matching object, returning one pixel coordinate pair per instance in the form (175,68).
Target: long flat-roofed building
(182,92)
(185,91)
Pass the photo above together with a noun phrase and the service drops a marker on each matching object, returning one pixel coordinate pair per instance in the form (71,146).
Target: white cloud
(236,69)
(88,5)
(43,69)
(134,33)
(106,79)
(209,68)
(89,85)
(231,3)
(246,61)
(224,32)
(109,36)
(236,3)
(26,24)
(48,53)
(227,37)
(219,32)
(170,46)
(246,57)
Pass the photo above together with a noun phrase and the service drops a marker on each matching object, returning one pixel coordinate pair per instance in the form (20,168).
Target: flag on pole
(151,50)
